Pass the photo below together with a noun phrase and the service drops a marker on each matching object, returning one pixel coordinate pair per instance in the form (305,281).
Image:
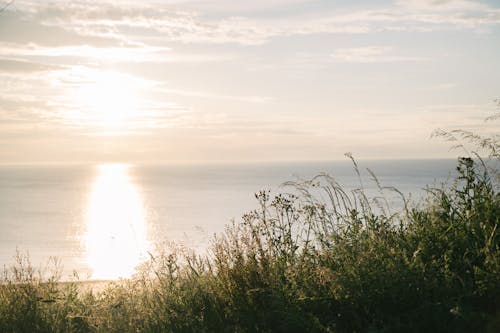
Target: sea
(100,221)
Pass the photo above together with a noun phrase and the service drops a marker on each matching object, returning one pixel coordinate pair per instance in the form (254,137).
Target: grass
(314,258)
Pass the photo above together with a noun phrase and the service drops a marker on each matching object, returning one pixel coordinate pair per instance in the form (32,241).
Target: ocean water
(101,220)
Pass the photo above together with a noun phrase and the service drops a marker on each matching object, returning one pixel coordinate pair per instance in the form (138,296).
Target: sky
(239,81)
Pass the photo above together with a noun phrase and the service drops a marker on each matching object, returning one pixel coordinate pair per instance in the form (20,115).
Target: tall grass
(315,258)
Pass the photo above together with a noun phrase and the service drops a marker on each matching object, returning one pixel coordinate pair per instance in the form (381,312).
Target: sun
(110,99)
(107,100)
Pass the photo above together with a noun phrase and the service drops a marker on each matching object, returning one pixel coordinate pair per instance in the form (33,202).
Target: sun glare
(116,240)
(107,100)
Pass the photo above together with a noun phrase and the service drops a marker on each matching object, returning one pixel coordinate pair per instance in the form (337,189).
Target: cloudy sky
(224,80)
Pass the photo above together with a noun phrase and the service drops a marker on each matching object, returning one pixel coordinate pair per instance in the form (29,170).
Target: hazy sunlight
(116,239)
(108,100)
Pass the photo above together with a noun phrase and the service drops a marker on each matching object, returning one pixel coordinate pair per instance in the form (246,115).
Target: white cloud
(133,24)
(441,4)
(115,54)
(209,95)
(24,66)
(370,54)
(297,92)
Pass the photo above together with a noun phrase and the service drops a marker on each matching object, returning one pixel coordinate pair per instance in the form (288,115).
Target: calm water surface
(101,220)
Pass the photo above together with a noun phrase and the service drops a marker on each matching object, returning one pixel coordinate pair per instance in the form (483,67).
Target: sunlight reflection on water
(116,237)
